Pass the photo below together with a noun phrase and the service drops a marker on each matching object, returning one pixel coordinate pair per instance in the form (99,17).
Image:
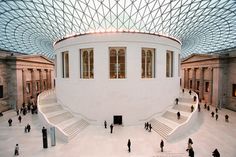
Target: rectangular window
(148,63)
(207,87)
(169,63)
(86,64)
(65,64)
(117,62)
(234,90)
(190,83)
(45,84)
(37,87)
(1,91)
(28,87)
(198,85)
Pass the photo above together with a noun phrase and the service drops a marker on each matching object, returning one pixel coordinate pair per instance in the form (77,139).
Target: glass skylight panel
(53,20)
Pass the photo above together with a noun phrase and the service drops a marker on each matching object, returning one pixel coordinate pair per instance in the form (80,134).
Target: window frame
(117,68)
(153,63)
(81,57)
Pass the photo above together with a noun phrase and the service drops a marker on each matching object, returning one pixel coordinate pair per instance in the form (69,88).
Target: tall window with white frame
(86,63)
(148,63)
(117,62)
(169,63)
(65,64)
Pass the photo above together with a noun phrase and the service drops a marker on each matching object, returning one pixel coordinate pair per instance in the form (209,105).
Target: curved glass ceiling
(32,26)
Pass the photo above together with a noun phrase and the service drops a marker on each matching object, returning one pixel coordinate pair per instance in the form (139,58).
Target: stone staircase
(65,121)
(165,124)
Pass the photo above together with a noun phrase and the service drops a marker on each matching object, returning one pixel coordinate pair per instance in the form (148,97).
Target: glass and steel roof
(32,26)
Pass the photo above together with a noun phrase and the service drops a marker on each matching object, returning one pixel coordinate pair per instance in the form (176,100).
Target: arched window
(86,63)
(148,63)
(117,62)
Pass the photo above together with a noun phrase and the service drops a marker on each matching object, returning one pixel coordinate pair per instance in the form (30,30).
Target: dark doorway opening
(117,119)
(1,91)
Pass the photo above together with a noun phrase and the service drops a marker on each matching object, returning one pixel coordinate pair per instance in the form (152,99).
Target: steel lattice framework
(32,26)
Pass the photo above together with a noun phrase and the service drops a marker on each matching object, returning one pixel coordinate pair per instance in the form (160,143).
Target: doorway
(117,119)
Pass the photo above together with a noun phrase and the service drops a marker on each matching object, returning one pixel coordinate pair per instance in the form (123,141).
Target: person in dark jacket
(10,122)
(162,145)
(19,118)
(111,127)
(215,153)
(129,145)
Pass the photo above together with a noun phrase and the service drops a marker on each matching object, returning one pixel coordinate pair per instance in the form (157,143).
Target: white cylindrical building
(118,77)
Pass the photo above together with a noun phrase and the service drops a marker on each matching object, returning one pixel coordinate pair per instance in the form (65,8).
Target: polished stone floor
(95,141)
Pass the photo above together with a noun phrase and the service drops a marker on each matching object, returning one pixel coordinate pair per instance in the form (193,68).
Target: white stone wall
(133,97)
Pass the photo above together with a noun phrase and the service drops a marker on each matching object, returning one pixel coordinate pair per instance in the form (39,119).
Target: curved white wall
(133,97)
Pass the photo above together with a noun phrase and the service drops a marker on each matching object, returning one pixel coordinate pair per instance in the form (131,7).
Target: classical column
(49,79)
(41,80)
(187,78)
(24,85)
(193,79)
(47,85)
(201,83)
(33,79)
(210,84)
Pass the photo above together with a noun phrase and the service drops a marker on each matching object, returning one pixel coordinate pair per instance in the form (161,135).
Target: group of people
(27,108)
(215,114)
(111,126)
(148,126)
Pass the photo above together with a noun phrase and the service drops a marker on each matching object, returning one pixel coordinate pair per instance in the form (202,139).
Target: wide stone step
(173,116)
(75,128)
(54,113)
(161,128)
(51,108)
(60,117)
(180,107)
(48,101)
(64,124)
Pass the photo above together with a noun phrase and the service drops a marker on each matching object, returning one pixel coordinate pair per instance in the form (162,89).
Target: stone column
(33,72)
(201,88)
(24,85)
(47,85)
(41,80)
(193,79)
(187,78)
(210,85)
(49,79)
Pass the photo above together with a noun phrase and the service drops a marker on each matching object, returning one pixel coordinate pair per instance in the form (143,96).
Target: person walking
(208,108)
(215,153)
(212,114)
(19,118)
(28,127)
(162,145)
(226,118)
(178,115)
(190,92)
(176,101)
(16,150)
(105,124)
(199,108)
(147,126)
(216,116)
(129,145)
(194,98)
(111,127)
(10,121)
(150,127)
(216,110)
(192,108)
